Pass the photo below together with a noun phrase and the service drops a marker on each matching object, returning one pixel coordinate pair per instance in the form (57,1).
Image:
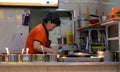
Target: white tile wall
(10,19)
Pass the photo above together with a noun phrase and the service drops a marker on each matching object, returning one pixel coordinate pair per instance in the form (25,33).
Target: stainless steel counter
(56,63)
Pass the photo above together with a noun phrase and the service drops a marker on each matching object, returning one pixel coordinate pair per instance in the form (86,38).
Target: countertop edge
(56,63)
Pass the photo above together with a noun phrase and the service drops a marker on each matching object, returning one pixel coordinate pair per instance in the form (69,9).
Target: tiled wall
(10,27)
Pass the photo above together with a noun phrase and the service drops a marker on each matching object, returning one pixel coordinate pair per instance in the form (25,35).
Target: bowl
(93,21)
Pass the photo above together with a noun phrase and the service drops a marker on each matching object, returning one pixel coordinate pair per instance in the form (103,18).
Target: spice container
(12,58)
(51,57)
(2,57)
(26,58)
(39,57)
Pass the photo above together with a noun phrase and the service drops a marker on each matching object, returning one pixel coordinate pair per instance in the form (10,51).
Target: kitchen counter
(60,67)
(56,63)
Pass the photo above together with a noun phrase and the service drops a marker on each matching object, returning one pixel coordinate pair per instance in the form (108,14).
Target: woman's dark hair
(53,17)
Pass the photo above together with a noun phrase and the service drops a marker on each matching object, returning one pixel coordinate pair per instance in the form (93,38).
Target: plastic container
(26,58)
(39,57)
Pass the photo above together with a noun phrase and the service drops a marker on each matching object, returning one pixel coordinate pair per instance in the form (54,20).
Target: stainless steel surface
(80,59)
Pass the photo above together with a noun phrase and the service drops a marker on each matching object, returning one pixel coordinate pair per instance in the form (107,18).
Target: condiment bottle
(68,37)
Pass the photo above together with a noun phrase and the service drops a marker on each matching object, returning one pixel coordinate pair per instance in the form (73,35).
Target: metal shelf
(113,38)
(99,26)
(112,22)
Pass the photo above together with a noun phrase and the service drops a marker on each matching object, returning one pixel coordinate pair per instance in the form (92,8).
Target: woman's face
(51,26)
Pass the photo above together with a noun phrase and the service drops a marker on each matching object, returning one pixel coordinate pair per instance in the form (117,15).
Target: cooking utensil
(7,50)
(27,50)
(42,49)
(22,51)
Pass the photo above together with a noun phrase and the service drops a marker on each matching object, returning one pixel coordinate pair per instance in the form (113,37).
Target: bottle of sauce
(69,37)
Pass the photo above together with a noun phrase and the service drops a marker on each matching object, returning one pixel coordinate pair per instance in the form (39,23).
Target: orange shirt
(39,33)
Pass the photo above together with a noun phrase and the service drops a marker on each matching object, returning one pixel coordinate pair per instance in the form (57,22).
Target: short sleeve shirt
(39,33)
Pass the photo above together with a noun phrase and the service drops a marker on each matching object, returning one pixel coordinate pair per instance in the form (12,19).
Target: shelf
(97,43)
(101,24)
(89,26)
(113,38)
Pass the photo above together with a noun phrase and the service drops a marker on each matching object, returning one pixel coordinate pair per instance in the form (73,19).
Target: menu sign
(29,2)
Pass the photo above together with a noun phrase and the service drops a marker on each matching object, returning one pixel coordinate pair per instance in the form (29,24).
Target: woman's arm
(37,46)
